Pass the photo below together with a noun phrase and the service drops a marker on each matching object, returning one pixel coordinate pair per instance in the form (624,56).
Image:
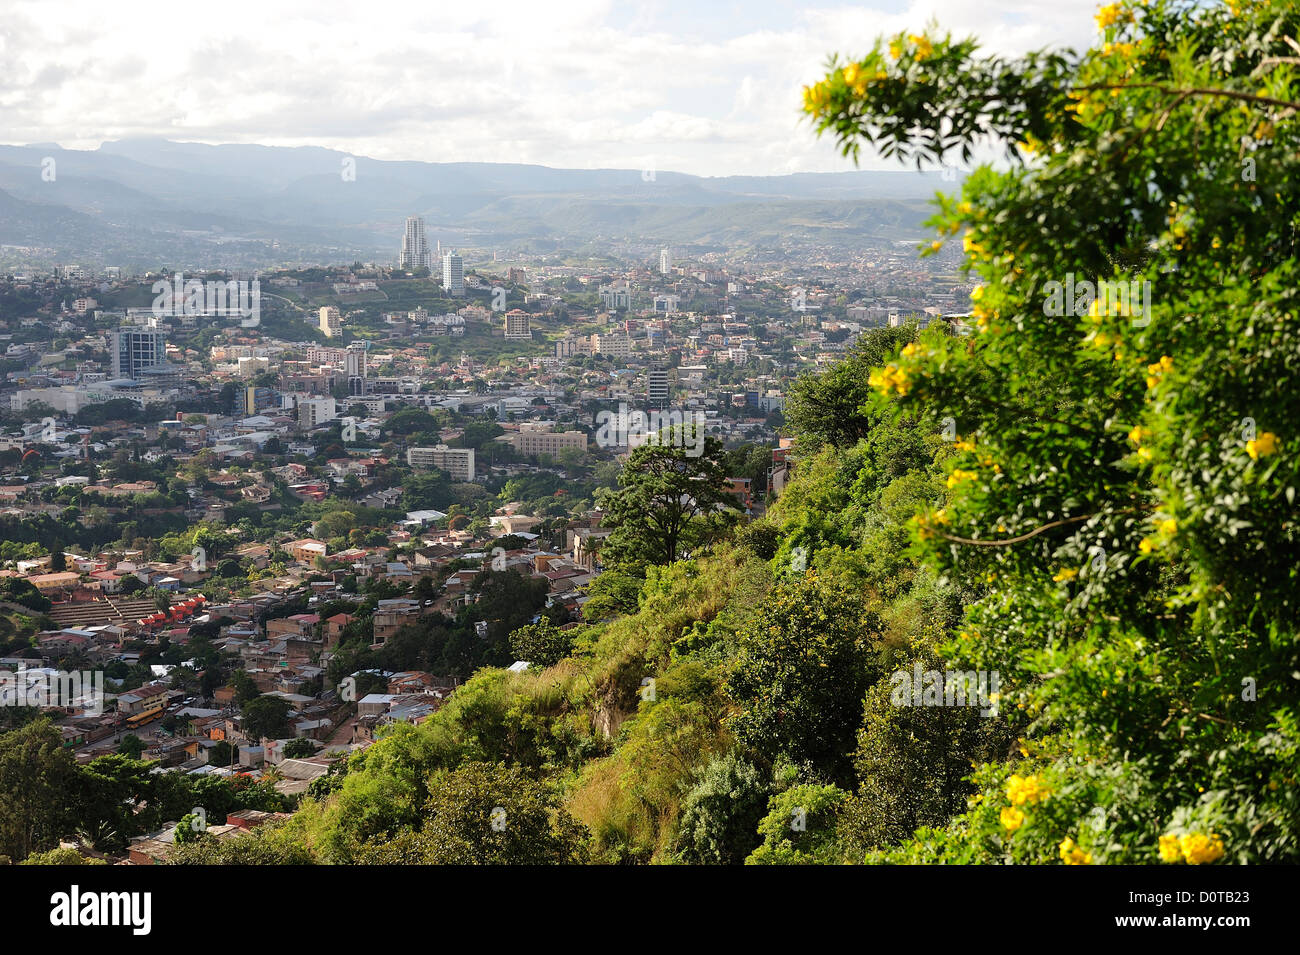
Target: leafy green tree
(37,775)
(542,644)
(805,661)
(481,814)
(721,811)
(1121,494)
(300,747)
(670,502)
(800,827)
(267,717)
(131,746)
(611,594)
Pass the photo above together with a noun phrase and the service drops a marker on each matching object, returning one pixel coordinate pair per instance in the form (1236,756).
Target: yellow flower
(977,292)
(936,245)
(1147,545)
(1263,445)
(1071,854)
(966,444)
(1169,527)
(969,245)
(923,46)
(1026,789)
(1199,849)
(1012,818)
(1169,851)
(816,98)
(1067,574)
(1112,14)
(958,475)
(855,78)
(895,49)
(1139,434)
(1166,363)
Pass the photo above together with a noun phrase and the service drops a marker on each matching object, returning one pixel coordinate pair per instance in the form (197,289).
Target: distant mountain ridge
(149,201)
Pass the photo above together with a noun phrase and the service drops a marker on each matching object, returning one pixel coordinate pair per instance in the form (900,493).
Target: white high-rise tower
(415,247)
(453,274)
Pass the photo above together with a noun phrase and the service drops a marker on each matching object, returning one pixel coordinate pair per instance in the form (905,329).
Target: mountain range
(151,202)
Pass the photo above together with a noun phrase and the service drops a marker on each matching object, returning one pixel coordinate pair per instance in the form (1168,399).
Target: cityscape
(925,500)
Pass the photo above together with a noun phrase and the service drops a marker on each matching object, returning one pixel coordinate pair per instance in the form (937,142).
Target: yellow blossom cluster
(1262,446)
(1026,789)
(1071,854)
(1112,14)
(1157,370)
(816,97)
(1195,848)
(891,378)
(1165,531)
(1012,818)
(1067,573)
(958,476)
(971,246)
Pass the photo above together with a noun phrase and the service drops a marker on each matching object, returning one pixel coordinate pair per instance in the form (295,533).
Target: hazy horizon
(592,85)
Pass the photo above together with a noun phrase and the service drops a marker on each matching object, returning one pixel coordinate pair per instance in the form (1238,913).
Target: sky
(697,86)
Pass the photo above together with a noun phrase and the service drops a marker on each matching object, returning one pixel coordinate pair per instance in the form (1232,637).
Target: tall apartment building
(518,324)
(458,462)
(354,364)
(135,348)
(415,247)
(331,322)
(665,261)
(611,346)
(453,274)
(547,442)
(656,386)
(313,412)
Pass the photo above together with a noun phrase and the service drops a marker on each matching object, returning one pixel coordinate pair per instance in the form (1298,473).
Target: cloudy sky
(702,86)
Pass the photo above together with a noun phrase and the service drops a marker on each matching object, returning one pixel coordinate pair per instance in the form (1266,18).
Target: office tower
(665,261)
(331,323)
(135,349)
(656,386)
(453,274)
(415,247)
(355,366)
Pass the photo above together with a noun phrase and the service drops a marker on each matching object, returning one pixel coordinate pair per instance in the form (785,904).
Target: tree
(300,747)
(721,812)
(542,644)
(37,787)
(805,661)
(669,502)
(267,717)
(484,814)
(131,746)
(1121,493)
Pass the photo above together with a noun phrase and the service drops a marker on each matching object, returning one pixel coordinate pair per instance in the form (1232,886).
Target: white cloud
(583,83)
